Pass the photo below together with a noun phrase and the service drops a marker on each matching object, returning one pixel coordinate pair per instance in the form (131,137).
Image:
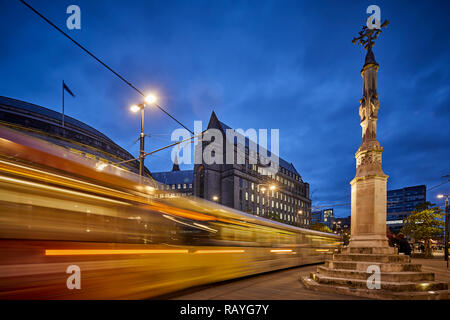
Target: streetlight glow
(135,108)
(272,187)
(150,99)
(100,166)
(440,196)
(215,198)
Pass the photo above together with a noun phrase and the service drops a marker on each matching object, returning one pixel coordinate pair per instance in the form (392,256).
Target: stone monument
(368,266)
(369,187)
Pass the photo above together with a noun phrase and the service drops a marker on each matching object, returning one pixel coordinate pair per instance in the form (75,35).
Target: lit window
(252,197)
(173,186)
(246,195)
(184,185)
(190,185)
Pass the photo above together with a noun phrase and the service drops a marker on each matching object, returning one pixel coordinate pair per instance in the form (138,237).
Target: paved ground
(281,285)
(285,285)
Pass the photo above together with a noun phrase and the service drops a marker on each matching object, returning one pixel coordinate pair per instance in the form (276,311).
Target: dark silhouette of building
(325,216)
(401,202)
(245,187)
(177,181)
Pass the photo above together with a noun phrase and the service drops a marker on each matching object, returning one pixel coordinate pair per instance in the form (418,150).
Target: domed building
(73,135)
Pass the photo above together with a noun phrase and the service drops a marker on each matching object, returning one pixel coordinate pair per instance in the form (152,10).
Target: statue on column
(369,104)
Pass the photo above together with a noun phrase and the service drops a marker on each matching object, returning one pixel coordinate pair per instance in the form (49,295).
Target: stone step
(385,285)
(384,267)
(371,257)
(385,276)
(374,250)
(376,294)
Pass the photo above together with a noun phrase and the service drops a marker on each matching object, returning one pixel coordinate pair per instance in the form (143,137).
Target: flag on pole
(65,88)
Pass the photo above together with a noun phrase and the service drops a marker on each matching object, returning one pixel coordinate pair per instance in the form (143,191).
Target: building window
(184,185)
(257,211)
(252,197)
(190,185)
(173,187)
(253,186)
(246,195)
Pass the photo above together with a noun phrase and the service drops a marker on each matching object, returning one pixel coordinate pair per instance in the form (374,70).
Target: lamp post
(151,99)
(446,239)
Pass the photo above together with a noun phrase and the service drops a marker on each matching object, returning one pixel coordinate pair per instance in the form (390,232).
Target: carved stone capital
(368,162)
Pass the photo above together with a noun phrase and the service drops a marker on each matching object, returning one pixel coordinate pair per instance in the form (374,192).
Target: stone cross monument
(368,267)
(368,227)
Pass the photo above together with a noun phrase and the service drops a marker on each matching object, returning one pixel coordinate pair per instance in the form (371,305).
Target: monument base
(370,241)
(348,273)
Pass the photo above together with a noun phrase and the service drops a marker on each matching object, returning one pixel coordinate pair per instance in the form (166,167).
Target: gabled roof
(214,122)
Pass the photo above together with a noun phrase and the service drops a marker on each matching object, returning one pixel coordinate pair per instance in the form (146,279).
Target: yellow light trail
(219,251)
(50,188)
(281,250)
(322,250)
(76,252)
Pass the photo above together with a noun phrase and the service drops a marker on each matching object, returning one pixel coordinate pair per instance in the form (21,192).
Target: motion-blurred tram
(125,236)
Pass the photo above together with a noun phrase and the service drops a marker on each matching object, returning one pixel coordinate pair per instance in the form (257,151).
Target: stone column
(368,224)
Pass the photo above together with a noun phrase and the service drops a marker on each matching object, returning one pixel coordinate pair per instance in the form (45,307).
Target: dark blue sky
(259,64)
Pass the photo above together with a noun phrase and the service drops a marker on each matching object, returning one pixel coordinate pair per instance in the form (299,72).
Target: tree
(425,223)
(320,227)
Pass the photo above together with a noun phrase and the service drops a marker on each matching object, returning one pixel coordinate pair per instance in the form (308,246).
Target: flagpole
(63,104)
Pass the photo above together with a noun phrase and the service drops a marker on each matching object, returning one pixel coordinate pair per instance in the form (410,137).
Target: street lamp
(215,198)
(446,239)
(150,99)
